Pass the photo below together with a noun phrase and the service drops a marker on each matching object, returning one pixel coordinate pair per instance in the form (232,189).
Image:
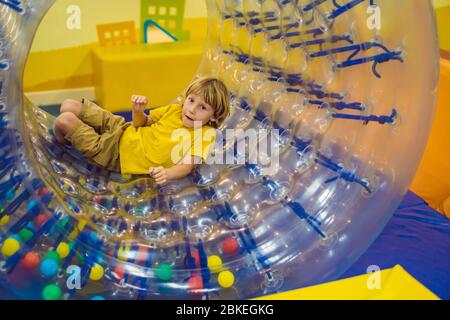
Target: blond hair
(215,93)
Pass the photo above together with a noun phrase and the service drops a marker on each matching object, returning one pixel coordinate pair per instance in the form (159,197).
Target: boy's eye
(203,108)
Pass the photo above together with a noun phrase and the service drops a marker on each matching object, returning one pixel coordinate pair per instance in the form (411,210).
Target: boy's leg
(100,148)
(63,124)
(71,105)
(98,118)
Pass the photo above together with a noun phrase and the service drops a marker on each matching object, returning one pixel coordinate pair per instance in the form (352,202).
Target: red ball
(230,246)
(141,254)
(42,192)
(119,273)
(196,257)
(195,283)
(40,220)
(31,260)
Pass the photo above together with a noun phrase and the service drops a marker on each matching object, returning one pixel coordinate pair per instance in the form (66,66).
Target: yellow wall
(443,20)
(54,34)
(61,58)
(432,181)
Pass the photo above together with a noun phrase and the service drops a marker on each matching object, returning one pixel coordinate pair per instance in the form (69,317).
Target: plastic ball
(10,246)
(124,253)
(33,206)
(42,192)
(53,255)
(214,263)
(81,225)
(16,236)
(10,195)
(226,279)
(4,220)
(52,292)
(40,220)
(25,234)
(196,257)
(141,254)
(30,226)
(98,298)
(119,273)
(164,272)
(49,268)
(97,272)
(195,283)
(63,250)
(230,246)
(31,260)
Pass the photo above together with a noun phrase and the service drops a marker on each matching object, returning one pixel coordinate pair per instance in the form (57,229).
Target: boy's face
(195,109)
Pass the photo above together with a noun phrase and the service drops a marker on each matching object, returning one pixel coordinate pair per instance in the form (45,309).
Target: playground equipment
(349,87)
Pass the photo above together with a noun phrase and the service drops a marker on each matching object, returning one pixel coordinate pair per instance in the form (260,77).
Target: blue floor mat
(417,238)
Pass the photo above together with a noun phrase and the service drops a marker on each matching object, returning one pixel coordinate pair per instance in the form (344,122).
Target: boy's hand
(159,174)
(139,103)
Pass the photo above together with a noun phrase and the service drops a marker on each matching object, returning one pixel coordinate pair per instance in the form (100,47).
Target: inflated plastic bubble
(343,90)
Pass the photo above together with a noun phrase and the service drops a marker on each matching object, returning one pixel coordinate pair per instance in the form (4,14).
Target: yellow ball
(124,253)
(226,279)
(81,225)
(214,264)
(10,246)
(73,234)
(63,250)
(4,220)
(97,272)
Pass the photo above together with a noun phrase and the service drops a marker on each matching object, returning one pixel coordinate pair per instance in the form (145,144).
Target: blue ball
(31,226)
(49,268)
(16,236)
(98,298)
(10,195)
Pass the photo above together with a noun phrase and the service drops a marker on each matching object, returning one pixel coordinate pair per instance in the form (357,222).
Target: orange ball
(195,283)
(196,257)
(230,246)
(42,192)
(31,260)
(119,273)
(141,254)
(40,220)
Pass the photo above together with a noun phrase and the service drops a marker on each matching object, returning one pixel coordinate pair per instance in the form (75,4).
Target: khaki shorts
(97,136)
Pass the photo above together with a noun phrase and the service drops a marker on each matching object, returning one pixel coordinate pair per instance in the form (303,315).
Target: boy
(151,143)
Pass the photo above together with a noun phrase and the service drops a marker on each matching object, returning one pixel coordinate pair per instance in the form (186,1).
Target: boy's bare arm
(139,117)
(178,171)
(149,121)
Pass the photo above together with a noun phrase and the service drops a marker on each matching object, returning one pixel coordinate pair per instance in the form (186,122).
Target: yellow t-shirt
(164,143)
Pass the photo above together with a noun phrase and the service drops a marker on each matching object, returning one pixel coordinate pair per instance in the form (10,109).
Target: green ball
(25,234)
(52,292)
(53,255)
(164,272)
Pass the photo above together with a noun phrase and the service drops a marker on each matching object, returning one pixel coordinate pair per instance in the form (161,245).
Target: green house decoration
(169,14)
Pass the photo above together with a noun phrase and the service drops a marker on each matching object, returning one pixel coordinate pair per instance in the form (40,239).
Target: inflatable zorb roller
(348,87)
